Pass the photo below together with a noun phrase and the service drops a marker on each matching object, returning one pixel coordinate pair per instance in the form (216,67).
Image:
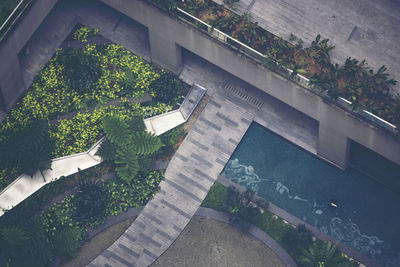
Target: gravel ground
(98,243)
(205,242)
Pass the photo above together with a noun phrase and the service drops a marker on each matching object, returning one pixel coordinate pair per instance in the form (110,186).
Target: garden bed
(298,242)
(82,94)
(63,111)
(354,80)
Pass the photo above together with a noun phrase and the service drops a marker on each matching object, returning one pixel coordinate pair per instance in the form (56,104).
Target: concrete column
(165,52)
(11,80)
(333,145)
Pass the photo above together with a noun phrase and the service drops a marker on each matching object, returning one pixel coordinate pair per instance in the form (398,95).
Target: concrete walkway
(361,29)
(191,172)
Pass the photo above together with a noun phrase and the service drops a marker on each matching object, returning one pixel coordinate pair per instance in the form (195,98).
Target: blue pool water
(368,214)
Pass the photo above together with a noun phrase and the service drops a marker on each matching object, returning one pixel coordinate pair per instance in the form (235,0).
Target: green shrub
(27,150)
(66,243)
(215,197)
(132,147)
(294,239)
(82,33)
(167,88)
(82,69)
(91,202)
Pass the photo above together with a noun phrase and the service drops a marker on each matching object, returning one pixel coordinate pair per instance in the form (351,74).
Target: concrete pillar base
(12,82)
(333,146)
(165,53)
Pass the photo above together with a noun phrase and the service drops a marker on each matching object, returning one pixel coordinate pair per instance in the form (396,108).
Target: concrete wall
(11,81)
(167,35)
(336,126)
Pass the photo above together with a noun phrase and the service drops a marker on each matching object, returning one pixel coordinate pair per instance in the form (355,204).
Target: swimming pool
(368,214)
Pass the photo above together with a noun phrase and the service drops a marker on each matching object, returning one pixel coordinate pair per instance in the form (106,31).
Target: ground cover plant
(71,96)
(354,80)
(245,209)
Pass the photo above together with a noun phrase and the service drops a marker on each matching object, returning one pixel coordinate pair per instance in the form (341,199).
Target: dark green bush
(294,239)
(91,202)
(167,89)
(215,197)
(27,150)
(133,148)
(66,242)
(82,70)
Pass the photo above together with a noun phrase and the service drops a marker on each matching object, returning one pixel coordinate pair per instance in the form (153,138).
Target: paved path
(362,29)
(189,176)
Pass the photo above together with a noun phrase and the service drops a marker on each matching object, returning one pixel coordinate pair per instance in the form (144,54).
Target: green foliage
(82,69)
(52,95)
(127,163)
(12,237)
(294,239)
(107,151)
(245,210)
(130,146)
(28,149)
(66,242)
(117,131)
(322,254)
(215,197)
(145,143)
(91,202)
(167,88)
(28,238)
(82,33)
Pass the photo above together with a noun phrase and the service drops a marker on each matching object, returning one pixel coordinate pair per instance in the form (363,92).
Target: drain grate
(242,94)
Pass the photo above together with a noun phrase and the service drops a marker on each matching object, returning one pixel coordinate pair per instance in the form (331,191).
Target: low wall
(11,80)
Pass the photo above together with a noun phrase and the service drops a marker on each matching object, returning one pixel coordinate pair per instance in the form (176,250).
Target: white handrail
(12,13)
(380,119)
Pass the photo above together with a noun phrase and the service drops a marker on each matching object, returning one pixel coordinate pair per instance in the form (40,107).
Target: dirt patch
(205,242)
(95,246)
(196,113)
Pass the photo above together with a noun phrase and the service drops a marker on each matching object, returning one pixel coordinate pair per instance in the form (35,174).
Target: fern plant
(27,150)
(128,145)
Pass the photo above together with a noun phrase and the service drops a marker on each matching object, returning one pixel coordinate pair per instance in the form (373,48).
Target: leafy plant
(82,70)
(295,239)
(27,150)
(132,147)
(82,33)
(321,254)
(66,242)
(91,202)
(167,88)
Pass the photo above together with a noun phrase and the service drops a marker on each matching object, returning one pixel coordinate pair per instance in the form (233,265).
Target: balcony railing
(288,73)
(14,18)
